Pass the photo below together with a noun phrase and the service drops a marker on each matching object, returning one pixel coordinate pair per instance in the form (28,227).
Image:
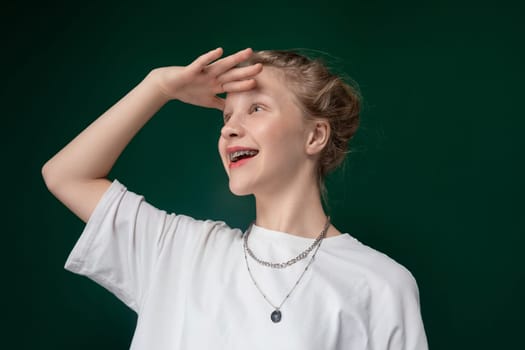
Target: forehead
(270,84)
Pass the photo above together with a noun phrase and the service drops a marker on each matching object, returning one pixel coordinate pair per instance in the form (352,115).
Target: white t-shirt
(188,282)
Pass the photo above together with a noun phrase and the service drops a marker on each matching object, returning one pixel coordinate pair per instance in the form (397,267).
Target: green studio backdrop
(434,178)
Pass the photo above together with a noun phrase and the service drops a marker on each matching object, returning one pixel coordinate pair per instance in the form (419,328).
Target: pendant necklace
(276,315)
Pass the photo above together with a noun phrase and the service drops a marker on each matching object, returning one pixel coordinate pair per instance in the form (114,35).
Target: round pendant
(276,316)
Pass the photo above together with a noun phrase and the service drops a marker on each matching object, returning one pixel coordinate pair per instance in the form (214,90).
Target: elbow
(49,178)
(46,174)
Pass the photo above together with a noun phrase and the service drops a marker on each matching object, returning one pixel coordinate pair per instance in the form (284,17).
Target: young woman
(292,280)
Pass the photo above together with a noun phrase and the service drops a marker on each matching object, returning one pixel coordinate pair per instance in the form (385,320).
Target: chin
(239,190)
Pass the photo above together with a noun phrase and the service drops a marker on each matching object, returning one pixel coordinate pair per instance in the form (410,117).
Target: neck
(296,210)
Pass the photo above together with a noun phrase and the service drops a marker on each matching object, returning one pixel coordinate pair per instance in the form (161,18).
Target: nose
(232,128)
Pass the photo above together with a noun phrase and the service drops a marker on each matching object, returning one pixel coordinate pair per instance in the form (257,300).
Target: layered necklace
(276,315)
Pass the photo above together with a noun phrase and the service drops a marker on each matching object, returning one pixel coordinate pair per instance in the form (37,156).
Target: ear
(318,136)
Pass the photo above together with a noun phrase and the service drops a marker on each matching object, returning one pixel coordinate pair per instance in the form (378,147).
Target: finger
(216,102)
(205,59)
(229,62)
(240,73)
(237,86)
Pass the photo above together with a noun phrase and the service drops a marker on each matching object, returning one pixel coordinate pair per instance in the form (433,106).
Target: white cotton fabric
(187,280)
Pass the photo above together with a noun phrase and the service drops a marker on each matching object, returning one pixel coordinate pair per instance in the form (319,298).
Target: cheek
(274,132)
(221,147)
(219,144)
(285,137)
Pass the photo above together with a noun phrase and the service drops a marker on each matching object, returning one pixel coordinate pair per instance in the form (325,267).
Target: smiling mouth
(243,154)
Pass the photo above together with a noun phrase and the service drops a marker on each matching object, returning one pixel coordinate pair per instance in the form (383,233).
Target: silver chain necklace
(291,261)
(276,315)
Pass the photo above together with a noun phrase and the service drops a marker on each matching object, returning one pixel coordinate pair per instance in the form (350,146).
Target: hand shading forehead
(270,81)
(269,85)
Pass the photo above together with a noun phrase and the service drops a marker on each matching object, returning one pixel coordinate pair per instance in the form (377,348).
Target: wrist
(153,81)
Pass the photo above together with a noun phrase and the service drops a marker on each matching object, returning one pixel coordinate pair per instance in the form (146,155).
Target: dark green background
(435,179)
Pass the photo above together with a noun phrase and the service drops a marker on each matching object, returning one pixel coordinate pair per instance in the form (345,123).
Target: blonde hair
(321,94)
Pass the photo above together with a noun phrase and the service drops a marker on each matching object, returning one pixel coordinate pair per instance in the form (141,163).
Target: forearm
(92,153)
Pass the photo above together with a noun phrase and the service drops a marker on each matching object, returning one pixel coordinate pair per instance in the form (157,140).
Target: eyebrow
(256,92)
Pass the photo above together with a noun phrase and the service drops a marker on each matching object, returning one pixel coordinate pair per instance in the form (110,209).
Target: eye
(226,117)
(256,108)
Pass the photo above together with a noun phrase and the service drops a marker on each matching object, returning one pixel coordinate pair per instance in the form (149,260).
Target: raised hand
(199,82)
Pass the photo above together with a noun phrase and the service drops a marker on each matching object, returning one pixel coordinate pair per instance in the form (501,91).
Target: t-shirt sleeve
(119,245)
(396,317)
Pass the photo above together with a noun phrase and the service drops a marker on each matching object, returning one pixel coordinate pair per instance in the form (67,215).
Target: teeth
(238,154)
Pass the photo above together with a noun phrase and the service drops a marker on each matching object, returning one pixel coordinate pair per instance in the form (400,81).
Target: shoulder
(202,225)
(201,231)
(123,208)
(381,272)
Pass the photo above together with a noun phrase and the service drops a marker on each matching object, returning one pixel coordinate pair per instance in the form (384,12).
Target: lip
(241,162)
(238,148)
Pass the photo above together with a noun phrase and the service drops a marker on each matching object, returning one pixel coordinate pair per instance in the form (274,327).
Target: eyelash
(255,105)
(252,110)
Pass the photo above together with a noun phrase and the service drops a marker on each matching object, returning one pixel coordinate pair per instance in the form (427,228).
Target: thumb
(216,102)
